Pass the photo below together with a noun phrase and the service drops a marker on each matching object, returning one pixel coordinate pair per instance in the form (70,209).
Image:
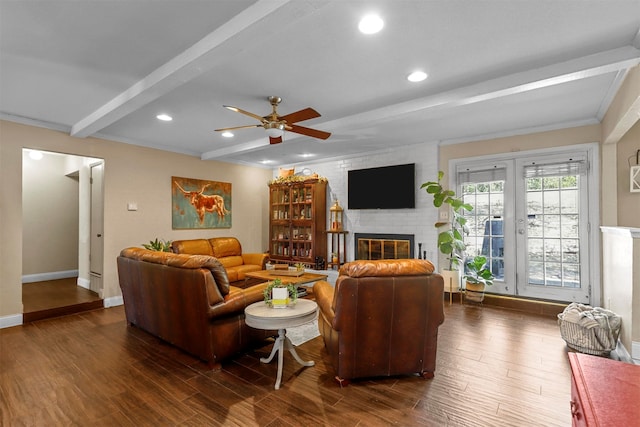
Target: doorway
(56,200)
(532,219)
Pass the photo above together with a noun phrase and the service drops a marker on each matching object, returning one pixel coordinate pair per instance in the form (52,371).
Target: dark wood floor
(495,367)
(53,298)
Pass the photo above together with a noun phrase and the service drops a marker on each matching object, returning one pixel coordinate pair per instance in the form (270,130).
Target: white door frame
(593,155)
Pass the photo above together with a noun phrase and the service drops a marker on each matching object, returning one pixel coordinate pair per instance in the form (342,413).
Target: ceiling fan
(275,125)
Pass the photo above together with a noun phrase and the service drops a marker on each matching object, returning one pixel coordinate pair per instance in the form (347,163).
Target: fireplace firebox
(372,246)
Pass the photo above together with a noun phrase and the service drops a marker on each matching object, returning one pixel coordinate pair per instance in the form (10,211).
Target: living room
(142,175)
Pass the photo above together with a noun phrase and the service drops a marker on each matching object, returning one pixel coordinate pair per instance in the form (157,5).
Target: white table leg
(289,346)
(279,345)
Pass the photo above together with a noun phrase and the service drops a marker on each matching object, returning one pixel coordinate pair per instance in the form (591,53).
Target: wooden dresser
(604,392)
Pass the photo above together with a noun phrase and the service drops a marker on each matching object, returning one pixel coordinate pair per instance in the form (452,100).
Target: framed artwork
(197,203)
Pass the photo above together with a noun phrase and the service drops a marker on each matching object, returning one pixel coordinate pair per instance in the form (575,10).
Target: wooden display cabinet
(297,221)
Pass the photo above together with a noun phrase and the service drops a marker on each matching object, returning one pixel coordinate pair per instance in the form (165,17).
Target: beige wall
(557,138)
(628,202)
(132,174)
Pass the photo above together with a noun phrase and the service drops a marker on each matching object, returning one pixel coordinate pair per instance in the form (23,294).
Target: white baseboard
(53,275)
(113,301)
(11,320)
(84,283)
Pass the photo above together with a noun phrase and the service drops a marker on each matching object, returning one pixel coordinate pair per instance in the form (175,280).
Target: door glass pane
(553,228)
(485,223)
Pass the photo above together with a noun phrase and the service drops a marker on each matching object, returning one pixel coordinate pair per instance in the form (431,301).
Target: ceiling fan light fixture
(274,129)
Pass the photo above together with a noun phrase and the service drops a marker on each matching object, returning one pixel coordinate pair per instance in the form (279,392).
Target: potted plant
(477,275)
(280,295)
(158,245)
(451,238)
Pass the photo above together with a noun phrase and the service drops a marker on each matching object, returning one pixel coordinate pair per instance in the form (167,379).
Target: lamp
(274,129)
(336,216)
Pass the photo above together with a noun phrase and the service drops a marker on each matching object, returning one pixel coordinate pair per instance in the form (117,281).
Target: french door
(531,220)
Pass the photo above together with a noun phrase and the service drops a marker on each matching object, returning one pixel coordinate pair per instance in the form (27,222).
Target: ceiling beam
(189,64)
(625,109)
(609,61)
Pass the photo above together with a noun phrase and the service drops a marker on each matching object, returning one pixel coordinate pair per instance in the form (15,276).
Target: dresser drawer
(577,412)
(604,392)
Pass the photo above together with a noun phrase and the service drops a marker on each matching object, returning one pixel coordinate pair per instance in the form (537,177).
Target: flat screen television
(388,187)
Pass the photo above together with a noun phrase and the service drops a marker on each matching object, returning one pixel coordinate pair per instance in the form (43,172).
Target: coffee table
(268,275)
(260,316)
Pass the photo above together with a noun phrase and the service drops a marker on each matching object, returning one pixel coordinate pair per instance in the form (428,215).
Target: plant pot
(451,280)
(475,292)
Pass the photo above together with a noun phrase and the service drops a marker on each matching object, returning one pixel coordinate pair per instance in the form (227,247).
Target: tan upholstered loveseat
(187,301)
(381,318)
(229,252)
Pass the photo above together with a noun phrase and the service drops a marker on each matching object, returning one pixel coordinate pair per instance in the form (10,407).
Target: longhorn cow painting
(198,203)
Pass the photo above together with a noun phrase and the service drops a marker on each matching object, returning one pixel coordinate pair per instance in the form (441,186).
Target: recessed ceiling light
(264,162)
(35,154)
(164,117)
(370,24)
(417,76)
(305,155)
(227,134)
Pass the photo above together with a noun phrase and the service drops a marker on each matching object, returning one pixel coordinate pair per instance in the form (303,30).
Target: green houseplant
(451,238)
(158,245)
(477,275)
(277,283)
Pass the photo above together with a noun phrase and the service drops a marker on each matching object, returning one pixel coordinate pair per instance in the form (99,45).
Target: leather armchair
(382,318)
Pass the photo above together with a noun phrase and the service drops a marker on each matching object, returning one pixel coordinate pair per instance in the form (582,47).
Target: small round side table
(260,316)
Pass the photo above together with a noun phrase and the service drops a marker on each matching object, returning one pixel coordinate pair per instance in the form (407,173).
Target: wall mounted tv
(388,187)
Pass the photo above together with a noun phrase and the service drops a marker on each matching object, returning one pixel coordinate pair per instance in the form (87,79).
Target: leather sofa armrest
(236,300)
(323,291)
(256,259)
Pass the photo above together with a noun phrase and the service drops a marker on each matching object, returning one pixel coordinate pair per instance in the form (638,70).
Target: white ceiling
(496,68)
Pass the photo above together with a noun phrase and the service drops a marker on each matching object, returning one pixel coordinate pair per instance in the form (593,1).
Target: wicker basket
(598,341)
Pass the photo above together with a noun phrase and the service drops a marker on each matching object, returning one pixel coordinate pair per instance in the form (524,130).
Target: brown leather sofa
(229,252)
(382,318)
(187,301)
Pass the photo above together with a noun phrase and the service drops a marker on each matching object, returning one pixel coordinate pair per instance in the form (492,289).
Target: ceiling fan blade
(300,116)
(273,140)
(238,127)
(310,132)
(246,113)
